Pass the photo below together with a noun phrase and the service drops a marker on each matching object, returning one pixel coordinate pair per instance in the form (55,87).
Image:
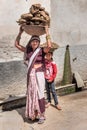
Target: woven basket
(54,46)
(34,29)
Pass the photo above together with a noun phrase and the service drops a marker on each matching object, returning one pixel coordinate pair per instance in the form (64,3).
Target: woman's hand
(19,34)
(26,63)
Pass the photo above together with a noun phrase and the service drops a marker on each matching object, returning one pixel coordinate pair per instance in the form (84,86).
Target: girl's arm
(17,41)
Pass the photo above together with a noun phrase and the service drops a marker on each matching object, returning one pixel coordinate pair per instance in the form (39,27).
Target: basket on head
(34,29)
(54,46)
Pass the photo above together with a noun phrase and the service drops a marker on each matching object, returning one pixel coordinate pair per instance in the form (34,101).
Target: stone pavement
(73,116)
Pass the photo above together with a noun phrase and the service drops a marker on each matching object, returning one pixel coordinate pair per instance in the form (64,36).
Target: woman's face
(34,44)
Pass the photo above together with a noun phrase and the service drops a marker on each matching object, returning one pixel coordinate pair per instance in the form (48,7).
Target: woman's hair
(28,47)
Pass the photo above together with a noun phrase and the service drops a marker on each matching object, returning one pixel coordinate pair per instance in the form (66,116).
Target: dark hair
(50,52)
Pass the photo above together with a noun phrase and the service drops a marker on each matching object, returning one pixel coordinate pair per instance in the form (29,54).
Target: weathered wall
(12,71)
(68,22)
(13,75)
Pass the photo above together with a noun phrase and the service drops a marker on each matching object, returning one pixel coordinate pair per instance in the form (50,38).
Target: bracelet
(48,37)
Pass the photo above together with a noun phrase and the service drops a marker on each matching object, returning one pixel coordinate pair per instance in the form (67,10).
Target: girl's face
(34,44)
(48,56)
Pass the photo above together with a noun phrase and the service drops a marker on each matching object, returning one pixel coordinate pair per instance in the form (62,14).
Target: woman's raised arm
(48,40)
(17,41)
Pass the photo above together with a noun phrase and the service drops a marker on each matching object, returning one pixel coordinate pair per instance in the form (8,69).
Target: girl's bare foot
(58,107)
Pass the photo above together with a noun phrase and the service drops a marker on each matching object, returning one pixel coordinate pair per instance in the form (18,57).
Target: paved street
(72,117)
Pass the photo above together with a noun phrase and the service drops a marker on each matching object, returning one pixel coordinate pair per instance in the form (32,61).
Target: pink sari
(32,104)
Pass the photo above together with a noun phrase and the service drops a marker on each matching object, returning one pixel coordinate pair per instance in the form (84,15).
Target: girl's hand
(49,81)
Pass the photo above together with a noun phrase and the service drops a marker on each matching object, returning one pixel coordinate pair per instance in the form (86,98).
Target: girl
(50,75)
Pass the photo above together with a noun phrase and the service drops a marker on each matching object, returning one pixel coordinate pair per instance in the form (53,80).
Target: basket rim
(34,29)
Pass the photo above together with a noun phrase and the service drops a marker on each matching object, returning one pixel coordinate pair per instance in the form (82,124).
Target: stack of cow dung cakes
(33,22)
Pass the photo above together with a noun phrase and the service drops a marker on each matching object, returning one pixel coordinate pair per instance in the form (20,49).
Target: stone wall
(13,75)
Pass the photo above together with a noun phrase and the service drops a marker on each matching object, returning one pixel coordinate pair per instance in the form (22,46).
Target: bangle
(48,37)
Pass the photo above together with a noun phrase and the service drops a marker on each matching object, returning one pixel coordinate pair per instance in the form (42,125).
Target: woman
(35,101)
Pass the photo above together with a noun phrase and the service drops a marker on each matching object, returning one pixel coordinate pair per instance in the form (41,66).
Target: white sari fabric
(32,57)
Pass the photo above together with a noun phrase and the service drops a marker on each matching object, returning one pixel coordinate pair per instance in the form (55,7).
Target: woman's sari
(35,101)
